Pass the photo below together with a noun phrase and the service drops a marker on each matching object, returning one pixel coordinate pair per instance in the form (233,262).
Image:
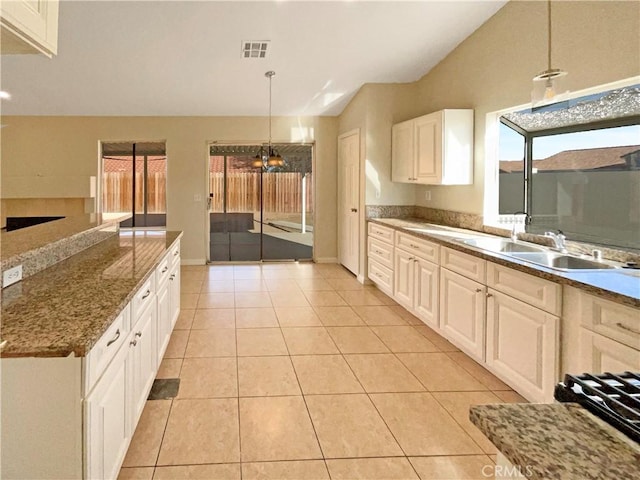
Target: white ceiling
(183,58)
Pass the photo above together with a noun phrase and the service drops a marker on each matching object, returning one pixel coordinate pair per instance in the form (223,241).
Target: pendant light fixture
(548,86)
(273,157)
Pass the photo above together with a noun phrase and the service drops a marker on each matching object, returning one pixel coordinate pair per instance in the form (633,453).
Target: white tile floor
(297,371)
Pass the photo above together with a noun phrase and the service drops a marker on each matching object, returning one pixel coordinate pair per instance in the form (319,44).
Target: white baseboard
(327,260)
(193,261)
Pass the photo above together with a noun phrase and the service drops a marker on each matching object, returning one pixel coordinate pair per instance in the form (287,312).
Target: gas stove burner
(615,398)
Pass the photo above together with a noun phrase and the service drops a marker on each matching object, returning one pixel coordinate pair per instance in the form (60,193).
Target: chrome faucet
(558,240)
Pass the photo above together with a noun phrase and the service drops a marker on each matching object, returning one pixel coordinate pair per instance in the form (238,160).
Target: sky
(512,144)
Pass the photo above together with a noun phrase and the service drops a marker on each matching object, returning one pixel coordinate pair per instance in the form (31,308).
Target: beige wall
(596,42)
(68,147)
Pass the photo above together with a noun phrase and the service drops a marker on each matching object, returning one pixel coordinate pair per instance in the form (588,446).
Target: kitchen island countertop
(64,309)
(560,441)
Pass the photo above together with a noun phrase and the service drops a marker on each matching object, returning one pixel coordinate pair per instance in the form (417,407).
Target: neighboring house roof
(607,158)
(155,164)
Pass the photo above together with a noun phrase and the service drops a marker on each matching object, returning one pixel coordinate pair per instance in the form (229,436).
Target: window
(575,167)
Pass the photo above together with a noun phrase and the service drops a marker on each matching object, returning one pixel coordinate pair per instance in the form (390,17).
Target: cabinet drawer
(381,252)
(464,264)
(163,270)
(175,252)
(381,276)
(530,289)
(379,232)
(106,348)
(143,297)
(612,320)
(420,248)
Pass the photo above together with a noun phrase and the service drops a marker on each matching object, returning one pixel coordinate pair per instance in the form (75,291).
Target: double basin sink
(535,254)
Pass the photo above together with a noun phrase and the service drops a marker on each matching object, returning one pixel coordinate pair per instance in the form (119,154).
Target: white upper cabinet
(29,26)
(435,149)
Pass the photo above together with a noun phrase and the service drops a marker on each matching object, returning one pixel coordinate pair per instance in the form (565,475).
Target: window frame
(492,216)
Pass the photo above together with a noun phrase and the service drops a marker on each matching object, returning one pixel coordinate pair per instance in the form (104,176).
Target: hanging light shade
(548,86)
(258,161)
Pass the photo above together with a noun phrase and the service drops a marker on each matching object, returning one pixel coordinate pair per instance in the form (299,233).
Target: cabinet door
(164,319)
(143,352)
(31,26)
(462,311)
(600,354)
(107,433)
(522,346)
(426,293)
(402,153)
(403,278)
(428,148)
(174,292)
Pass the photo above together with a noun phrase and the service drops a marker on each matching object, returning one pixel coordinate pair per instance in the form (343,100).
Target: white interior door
(349,200)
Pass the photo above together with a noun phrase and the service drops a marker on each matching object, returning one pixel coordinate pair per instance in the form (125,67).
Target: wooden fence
(117,192)
(282,192)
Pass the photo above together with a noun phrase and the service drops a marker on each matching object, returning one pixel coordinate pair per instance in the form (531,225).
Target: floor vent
(164,389)
(254,48)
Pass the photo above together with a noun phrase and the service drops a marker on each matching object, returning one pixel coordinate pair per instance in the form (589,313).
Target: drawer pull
(414,246)
(478,290)
(133,342)
(378,252)
(138,334)
(628,329)
(164,269)
(114,339)
(172,277)
(489,295)
(378,275)
(176,253)
(147,293)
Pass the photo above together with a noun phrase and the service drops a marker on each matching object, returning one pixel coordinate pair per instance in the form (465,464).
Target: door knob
(354,210)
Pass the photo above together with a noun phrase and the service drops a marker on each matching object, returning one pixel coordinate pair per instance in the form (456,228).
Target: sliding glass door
(260,212)
(134,180)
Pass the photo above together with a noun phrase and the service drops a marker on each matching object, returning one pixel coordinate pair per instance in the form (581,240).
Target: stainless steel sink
(503,245)
(561,261)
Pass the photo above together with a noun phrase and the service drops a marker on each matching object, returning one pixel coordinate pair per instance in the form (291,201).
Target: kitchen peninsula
(84,339)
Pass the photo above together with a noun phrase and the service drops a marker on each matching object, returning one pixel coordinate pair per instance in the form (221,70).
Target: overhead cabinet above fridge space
(435,149)
(28,26)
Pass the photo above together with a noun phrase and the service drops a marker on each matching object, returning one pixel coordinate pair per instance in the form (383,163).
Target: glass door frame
(207,202)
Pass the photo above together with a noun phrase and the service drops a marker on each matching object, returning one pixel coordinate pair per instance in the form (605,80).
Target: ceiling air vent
(254,48)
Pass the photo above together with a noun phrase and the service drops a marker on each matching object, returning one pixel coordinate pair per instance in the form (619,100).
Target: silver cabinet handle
(147,293)
(414,246)
(133,342)
(113,340)
(354,210)
(628,329)
(172,277)
(164,269)
(138,334)
(489,295)
(176,253)
(478,290)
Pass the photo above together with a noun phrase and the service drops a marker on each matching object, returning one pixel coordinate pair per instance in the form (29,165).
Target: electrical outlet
(11,276)
(197,197)
(427,195)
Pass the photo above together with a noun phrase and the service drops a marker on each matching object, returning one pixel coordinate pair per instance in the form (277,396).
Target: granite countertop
(560,441)
(40,246)
(64,309)
(619,285)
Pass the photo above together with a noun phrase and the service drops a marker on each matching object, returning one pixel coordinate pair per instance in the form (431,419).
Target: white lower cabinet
(522,346)
(143,360)
(174,292)
(599,354)
(107,430)
(165,320)
(416,286)
(462,312)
